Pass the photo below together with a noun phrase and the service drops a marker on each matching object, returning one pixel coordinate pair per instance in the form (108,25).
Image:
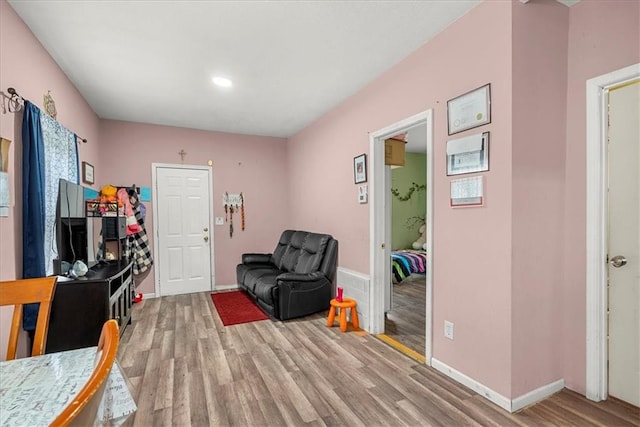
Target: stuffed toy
(108,194)
(421,243)
(106,201)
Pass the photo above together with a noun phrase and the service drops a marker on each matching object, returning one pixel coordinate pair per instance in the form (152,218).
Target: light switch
(363,193)
(219,220)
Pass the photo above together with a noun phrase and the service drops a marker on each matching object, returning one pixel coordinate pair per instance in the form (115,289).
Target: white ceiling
(290,61)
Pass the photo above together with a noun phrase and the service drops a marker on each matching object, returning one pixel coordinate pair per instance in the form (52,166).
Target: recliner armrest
(301,294)
(300,277)
(256,258)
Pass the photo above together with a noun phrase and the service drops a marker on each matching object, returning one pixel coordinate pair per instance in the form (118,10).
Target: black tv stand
(81,306)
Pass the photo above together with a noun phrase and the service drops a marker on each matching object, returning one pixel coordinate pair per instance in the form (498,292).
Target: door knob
(618,261)
(205,229)
(206,238)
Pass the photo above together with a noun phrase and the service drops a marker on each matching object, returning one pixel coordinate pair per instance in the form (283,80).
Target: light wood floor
(186,368)
(405,322)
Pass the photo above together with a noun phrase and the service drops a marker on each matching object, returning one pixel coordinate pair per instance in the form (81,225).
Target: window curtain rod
(16,103)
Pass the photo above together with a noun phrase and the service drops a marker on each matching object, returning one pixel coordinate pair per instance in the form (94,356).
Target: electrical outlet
(448,329)
(219,220)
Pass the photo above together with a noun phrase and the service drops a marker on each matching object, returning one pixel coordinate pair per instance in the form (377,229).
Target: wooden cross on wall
(182,153)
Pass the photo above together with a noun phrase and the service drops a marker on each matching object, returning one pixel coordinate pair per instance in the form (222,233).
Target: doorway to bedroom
(405,314)
(400,212)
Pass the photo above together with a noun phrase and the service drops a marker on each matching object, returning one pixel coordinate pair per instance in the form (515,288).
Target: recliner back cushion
(281,247)
(329,260)
(311,253)
(292,252)
(300,251)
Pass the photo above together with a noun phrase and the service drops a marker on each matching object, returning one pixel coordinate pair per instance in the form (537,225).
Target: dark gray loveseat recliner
(296,279)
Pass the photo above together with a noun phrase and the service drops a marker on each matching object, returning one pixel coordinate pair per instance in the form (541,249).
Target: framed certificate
(468,154)
(467,192)
(469,110)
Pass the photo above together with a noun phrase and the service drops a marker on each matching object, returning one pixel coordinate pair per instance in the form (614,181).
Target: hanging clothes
(131,221)
(136,246)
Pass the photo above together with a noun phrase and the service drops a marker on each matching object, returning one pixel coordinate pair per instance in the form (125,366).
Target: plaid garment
(136,246)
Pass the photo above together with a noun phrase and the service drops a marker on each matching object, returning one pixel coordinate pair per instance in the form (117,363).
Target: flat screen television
(71,227)
(70,200)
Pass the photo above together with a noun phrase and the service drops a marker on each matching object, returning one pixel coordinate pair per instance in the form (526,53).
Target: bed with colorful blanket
(407,262)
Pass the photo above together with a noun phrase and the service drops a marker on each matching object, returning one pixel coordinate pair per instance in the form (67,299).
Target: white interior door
(624,243)
(183,230)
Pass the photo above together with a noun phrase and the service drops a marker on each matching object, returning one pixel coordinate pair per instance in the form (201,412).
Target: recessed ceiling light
(222,82)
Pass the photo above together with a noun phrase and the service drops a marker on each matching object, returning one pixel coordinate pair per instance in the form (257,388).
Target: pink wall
(540,31)
(27,67)
(603,37)
(476,298)
(253,165)
(518,305)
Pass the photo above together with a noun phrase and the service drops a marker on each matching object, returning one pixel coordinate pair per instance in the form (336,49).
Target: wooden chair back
(27,291)
(82,411)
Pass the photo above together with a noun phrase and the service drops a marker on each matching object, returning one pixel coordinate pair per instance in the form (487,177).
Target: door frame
(156,237)
(379,252)
(597,231)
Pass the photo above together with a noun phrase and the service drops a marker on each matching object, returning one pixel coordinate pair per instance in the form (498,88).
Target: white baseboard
(493,396)
(505,403)
(225,287)
(216,288)
(536,395)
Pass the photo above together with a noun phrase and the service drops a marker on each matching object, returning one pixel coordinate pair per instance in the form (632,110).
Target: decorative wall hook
(232,204)
(15,101)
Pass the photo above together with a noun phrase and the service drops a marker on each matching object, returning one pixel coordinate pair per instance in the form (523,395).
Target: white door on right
(624,243)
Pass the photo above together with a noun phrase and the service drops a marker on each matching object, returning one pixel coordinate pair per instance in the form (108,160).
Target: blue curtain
(33,198)
(33,204)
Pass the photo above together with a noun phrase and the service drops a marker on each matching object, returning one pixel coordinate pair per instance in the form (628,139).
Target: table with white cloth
(35,390)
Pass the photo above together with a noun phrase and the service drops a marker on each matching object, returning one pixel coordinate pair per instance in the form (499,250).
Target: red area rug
(236,307)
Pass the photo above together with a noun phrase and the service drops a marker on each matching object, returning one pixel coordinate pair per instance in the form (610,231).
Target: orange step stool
(343,306)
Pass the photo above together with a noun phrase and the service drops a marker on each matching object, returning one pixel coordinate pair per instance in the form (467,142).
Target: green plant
(414,187)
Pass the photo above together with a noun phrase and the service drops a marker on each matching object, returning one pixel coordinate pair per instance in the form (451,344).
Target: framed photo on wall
(469,110)
(360,168)
(87,173)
